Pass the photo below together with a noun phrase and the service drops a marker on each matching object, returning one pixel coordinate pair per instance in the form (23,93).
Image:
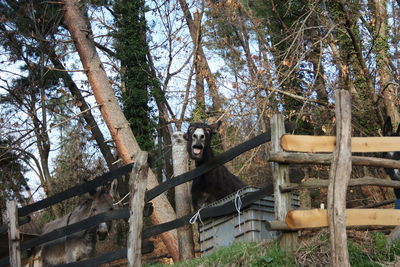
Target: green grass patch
(241,254)
(365,250)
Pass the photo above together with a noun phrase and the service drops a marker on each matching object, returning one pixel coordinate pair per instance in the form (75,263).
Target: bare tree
(119,128)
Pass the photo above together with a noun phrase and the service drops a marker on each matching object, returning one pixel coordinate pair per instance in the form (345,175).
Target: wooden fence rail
(225,209)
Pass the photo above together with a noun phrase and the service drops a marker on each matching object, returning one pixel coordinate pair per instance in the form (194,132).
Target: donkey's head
(199,137)
(101,201)
(388,131)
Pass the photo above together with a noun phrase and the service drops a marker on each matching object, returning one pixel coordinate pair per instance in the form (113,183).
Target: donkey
(393,173)
(218,182)
(80,245)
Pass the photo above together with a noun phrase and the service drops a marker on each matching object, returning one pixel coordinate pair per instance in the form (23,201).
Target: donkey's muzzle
(102,231)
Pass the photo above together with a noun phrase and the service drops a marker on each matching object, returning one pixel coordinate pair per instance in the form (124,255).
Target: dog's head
(198,137)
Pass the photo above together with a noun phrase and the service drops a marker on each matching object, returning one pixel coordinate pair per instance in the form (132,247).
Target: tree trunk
(387,88)
(137,187)
(202,61)
(182,196)
(13,234)
(117,124)
(283,201)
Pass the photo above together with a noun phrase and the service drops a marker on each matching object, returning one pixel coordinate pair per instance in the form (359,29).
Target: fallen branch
(325,159)
(313,183)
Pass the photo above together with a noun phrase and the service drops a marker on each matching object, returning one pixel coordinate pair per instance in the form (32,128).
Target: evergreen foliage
(73,165)
(132,50)
(12,173)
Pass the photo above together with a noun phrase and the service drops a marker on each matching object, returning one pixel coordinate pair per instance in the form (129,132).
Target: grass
(365,249)
(241,254)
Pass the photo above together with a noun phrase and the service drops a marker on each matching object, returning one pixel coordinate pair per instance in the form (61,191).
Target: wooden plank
(315,218)
(280,173)
(313,144)
(339,177)
(137,184)
(13,234)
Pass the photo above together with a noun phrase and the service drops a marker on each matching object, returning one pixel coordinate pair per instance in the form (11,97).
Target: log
(309,143)
(282,226)
(313,183)
(182,196)
(277,226)
(283,201)
(137,184)
(317,218)
(326,159)
(339,177)
(13,234)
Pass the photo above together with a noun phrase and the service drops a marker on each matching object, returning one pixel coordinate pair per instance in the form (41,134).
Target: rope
(238,206)
(195,217)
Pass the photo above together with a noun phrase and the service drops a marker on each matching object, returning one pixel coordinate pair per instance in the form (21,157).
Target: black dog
(217,183)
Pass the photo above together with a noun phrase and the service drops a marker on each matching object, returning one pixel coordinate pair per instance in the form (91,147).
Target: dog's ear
(387,127)
(214,127)
(186,137)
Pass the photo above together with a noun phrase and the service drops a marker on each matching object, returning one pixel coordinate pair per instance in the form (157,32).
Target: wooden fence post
(338,180)
(283,201)
(182,196)
(137,184)
(13,234)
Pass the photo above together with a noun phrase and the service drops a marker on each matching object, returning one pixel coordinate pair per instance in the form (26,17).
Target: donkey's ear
(398,130)
(214,127)
(91,191)
(387,127)
(113,190)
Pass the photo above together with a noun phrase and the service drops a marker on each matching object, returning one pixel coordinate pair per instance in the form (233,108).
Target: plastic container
(246,227)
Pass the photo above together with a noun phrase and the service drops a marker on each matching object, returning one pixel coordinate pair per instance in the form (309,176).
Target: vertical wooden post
(182,196)
(13,234)
(283,201)
(137,184)
(339,179)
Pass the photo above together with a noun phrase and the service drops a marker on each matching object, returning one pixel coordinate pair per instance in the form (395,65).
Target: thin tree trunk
(88,116)
(137,186)
(121,133)
(182,196)
(202,60)
(339,179)
(386,86)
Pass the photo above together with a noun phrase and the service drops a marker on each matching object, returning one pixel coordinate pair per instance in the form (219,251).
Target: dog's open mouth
(197,150)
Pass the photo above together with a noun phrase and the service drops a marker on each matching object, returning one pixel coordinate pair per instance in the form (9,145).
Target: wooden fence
(281,189)
(124,213)
(336,217)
